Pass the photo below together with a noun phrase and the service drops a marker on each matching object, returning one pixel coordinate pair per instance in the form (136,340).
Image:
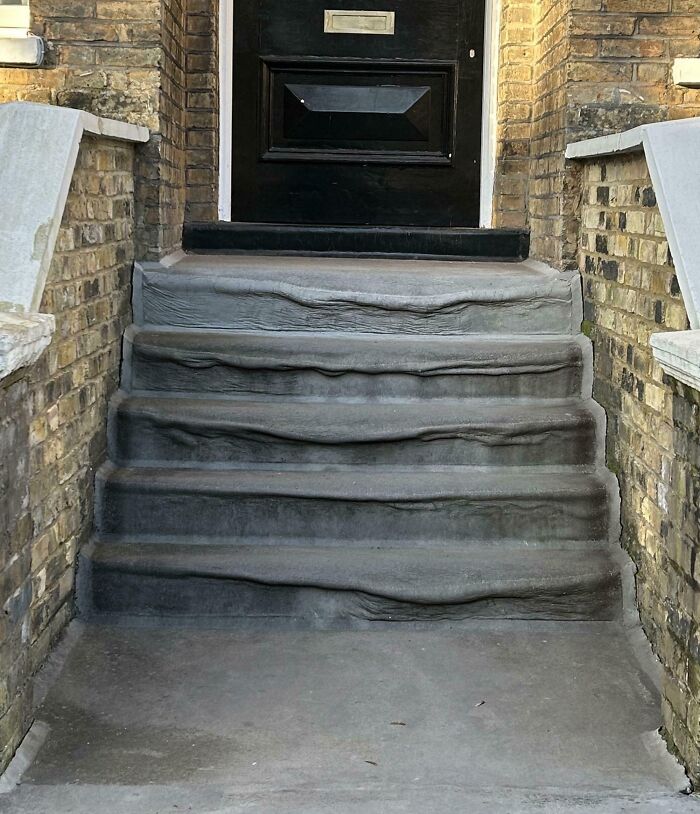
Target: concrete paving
(501,717)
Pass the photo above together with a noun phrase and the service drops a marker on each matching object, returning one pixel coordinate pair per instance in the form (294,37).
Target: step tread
(338,422)
(371,296)
(402,574)
(403,284)
(368,483)
(372,353)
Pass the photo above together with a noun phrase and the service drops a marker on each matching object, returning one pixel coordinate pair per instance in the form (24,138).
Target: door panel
(351,128)
(343,111)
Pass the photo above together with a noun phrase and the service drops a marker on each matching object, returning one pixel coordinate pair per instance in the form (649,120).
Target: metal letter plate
(359,22)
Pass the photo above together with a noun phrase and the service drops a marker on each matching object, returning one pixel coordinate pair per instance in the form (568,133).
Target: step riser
(201,303)
(143,438)
(506,244)
(353,366)
(153,374)
(159,595)
(125,511)
(173,378)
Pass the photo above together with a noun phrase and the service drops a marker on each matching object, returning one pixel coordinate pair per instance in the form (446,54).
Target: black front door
(357,113)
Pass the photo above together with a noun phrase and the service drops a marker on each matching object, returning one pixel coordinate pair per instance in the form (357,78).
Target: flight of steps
(347,442)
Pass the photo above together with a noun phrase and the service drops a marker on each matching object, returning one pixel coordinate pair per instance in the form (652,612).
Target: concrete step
(351,587)
(488,432)
(372,366)
(369,296)
(358,505)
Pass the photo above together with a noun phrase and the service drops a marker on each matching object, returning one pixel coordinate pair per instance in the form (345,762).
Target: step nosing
(489,410)
(316,293)
(369,485)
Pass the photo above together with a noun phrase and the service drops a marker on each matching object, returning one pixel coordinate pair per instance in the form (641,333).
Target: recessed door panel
(342,111)
(334,126)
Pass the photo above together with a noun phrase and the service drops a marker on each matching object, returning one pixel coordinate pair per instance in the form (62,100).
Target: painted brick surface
(52,425)
(631,292)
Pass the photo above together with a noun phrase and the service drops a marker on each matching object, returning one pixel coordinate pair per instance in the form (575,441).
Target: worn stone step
(373,366)
(358,505)
(352,587)
(369,296)
(192,431)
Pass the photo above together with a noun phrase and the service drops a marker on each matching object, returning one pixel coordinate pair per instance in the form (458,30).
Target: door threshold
(402,242)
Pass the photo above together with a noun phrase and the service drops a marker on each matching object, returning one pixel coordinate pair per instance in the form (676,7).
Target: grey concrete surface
(505,717)
(384,407)
(340,365)
(375,296)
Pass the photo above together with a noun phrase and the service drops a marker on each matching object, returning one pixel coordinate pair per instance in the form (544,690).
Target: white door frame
(489,113)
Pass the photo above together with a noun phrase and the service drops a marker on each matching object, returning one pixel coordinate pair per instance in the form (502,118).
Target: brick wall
(123,59)
(547,205)
(202,110)
(514,113)
(573,69)
(170,216)
(601,66)
(622,55)
(15,565)
(631,292)
(52,430)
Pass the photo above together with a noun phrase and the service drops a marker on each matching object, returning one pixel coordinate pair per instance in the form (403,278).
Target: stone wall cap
(23,337)
(671,150)
(38,149)
(678,353)
(629,141)
(88,122)
(686,72)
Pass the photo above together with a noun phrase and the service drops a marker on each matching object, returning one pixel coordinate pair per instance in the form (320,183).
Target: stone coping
(38,149)
(678,353)
(686,72)
(671,150)
(23,338)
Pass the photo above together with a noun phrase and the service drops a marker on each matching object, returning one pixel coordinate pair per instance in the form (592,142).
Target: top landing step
(432,243)
(253,293)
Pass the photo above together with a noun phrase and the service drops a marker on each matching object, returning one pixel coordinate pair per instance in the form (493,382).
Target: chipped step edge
(24,335)
(24,756)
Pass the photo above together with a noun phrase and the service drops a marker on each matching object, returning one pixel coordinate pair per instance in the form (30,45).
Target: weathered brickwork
(15,564)
(514,113)
(602,66)
(168,219)
(123,59)
(202,110)
(52,425)
(568,69)
(630,292)
(573,69)
(549,113)
(620,66)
